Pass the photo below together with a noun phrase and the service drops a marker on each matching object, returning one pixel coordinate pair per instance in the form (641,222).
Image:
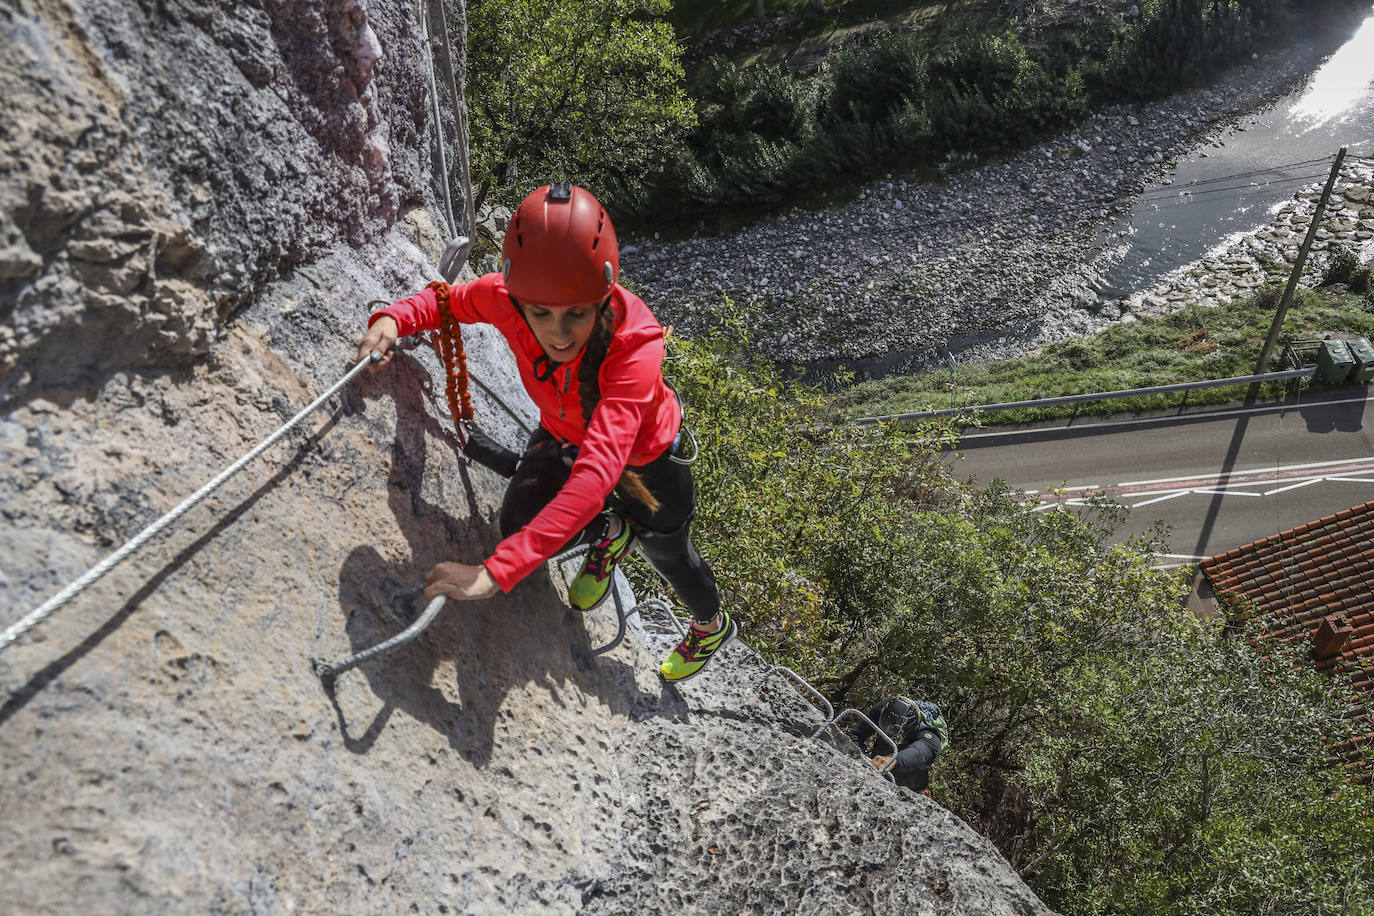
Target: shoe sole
(729,637)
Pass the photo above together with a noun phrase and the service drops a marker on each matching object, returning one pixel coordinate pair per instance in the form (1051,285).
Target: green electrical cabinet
(1334,361)
(1362,351)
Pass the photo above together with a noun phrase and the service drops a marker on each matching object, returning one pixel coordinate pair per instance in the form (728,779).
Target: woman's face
(562,332)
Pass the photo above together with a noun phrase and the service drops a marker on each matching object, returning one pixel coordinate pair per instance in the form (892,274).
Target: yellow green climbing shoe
(696,649)
(593,582)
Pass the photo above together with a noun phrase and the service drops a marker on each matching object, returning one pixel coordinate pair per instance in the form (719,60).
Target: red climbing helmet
(560,249)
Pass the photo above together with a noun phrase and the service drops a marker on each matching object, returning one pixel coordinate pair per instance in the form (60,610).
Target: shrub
(904,99)
(1123,756)
(763,99)
(866,85)
(584,90)
(1342,267)
(1362,280)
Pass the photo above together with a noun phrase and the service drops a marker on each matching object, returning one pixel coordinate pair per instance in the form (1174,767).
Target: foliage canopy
(584,90)
(1125,756)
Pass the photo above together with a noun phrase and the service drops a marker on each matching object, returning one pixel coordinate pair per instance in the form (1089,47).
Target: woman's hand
(458,580)
(379,339)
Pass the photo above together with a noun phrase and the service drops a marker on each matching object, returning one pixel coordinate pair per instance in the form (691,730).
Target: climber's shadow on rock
(496,644)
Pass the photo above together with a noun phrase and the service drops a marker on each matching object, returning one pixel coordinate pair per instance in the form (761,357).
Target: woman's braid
(589,388)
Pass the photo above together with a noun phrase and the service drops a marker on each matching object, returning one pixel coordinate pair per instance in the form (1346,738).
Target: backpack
(933,719)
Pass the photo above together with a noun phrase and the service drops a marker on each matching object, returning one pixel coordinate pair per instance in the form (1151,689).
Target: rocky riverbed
(1269,253)
(994,259)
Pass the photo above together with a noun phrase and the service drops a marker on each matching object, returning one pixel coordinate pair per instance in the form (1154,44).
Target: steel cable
(1167,189)
(438,120)
(40,613)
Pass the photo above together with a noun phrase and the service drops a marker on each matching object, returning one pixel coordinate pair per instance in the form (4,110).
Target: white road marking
(1229,484)
(1278,469)
(1160,499)
(1295,486)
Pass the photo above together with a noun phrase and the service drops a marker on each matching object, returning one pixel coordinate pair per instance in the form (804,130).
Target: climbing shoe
(696,649)
(593,582)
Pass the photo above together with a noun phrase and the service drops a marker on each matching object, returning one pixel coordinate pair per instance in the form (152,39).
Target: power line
(1170,189)
(1234,191)
(1171,196)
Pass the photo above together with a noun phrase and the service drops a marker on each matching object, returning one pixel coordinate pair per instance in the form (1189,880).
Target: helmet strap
(544,368)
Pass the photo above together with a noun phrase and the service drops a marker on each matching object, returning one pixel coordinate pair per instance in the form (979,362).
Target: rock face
(148,198)
(198,200)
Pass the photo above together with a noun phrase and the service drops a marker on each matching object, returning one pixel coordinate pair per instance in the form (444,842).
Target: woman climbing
(602,467)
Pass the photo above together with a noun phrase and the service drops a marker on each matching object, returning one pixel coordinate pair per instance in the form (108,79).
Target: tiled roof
(1317,581)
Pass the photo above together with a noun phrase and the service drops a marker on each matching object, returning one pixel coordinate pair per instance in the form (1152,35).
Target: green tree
(580,90)
(1124,756)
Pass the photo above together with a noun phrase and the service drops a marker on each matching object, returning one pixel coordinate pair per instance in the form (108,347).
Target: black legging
(664,535)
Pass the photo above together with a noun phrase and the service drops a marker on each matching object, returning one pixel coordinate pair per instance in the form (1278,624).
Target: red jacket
(637,418)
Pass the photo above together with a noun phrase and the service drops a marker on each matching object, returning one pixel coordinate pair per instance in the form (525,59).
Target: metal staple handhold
(805,685)
(832,720)
(328,672)
(887,768)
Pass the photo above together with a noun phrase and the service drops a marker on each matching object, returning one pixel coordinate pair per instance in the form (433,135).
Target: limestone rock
(204,196)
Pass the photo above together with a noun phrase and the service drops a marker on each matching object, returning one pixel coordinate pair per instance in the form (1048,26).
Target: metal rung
(802,683)
(886,770)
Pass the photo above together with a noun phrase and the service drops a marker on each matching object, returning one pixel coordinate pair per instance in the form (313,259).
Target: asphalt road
(1220,479)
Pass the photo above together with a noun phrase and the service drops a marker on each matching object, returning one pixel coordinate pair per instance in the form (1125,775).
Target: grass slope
(1194,344)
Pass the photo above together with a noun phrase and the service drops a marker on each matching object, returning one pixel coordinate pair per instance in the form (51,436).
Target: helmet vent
(520,240)
(596,241)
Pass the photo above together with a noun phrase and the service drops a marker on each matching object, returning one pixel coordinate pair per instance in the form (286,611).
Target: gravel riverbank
(988,262)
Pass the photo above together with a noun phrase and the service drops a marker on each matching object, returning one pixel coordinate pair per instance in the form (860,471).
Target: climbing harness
(685,432)
(447,344)
(40,613)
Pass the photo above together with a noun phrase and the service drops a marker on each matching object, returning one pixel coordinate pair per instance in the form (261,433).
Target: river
(1009,252)
(1231,186)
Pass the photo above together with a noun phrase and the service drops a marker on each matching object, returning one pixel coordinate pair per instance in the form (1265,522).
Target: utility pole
(1287,300)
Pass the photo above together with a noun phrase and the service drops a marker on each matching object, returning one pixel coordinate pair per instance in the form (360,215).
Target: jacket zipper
(567,381)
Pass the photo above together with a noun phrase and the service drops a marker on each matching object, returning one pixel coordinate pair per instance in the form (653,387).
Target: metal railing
(1085,398)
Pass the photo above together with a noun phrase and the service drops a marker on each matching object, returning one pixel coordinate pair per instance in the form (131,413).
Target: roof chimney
(1330,638)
